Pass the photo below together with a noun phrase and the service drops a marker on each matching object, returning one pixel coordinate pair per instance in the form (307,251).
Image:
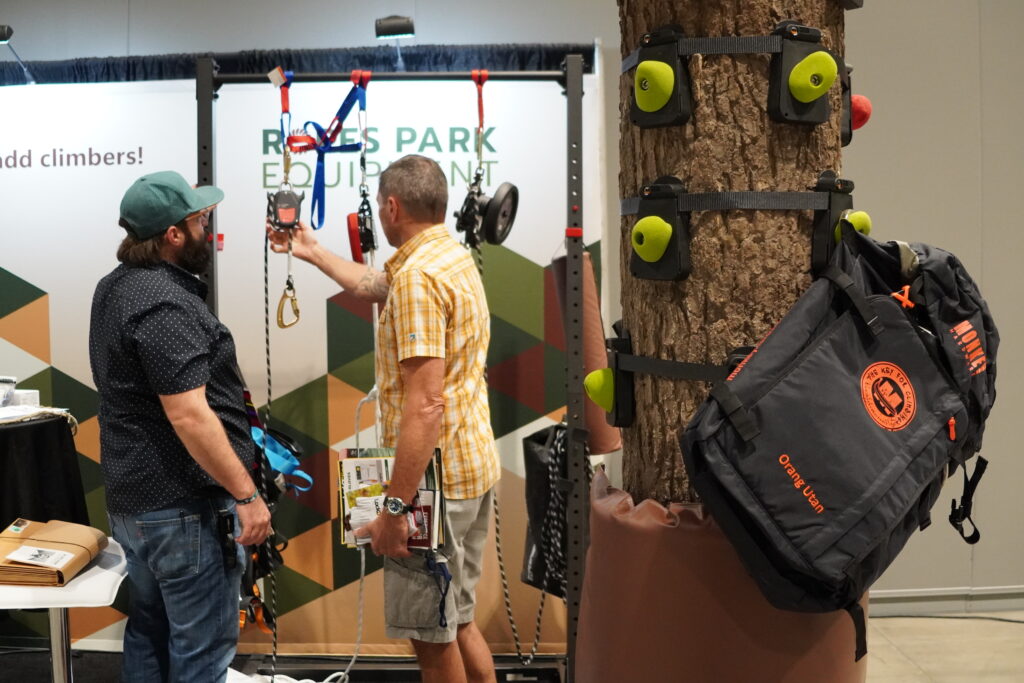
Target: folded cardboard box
(50,554)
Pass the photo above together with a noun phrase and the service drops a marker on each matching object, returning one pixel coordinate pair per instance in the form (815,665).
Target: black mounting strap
(856,296)
(673,369)
(829,199)
(958,515)
(729,201)
(716,45)
(624,365)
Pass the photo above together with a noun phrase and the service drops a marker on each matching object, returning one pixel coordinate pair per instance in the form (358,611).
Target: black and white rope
(260,475)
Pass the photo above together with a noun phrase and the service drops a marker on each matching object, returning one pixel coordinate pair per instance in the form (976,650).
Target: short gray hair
(419,185)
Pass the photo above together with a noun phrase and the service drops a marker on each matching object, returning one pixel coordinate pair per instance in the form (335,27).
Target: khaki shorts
(411,595)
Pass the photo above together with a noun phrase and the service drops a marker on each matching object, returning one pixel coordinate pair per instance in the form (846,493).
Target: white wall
(939,162)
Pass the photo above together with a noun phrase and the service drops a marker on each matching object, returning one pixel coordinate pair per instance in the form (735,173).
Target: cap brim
(207,196)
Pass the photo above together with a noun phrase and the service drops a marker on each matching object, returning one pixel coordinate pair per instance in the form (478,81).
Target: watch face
(394,505)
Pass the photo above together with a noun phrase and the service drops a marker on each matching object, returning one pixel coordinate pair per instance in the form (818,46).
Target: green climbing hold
(653,85)
(813,76)
(600,387)
(860,220)
(651,235)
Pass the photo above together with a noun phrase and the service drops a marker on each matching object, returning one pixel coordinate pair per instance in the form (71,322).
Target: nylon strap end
(277,77)
(856,613)
(962,513)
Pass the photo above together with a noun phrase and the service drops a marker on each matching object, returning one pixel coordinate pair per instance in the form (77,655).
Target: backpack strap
(860,628)
(856,296)
(734,409)
(958,515)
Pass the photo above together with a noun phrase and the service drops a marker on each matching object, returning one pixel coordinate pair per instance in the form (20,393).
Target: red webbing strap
(480,77)
(285,103)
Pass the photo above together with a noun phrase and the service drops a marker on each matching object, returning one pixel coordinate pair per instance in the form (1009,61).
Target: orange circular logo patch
(888,396)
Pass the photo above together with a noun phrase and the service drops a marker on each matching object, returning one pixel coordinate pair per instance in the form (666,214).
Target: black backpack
(828,444)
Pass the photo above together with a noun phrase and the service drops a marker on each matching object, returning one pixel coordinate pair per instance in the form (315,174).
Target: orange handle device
(353,238)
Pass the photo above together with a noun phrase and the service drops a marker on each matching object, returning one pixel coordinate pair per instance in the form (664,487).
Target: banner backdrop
(68,152)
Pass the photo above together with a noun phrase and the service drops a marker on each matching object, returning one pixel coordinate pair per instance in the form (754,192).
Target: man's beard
(195,254)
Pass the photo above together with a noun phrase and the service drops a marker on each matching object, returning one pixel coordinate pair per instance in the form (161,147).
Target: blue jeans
(183,625)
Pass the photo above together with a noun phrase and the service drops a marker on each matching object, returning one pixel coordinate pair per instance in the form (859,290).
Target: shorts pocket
(412,597)
(172,546)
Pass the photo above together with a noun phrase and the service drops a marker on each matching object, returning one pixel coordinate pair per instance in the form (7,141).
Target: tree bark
(749,267)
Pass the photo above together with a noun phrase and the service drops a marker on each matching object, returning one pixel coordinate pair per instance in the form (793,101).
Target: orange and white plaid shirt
(436,308)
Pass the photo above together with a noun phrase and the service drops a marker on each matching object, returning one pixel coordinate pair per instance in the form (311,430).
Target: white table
(95,586)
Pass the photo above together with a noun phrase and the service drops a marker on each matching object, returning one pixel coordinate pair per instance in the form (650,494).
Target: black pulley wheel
(500,213)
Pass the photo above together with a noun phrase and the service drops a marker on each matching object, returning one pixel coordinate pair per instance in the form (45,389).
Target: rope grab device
(482,218)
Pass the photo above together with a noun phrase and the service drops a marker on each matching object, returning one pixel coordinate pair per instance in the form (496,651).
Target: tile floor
(954,650)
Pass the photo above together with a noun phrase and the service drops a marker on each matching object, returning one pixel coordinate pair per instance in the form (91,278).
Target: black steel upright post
(206,93)
(578,511)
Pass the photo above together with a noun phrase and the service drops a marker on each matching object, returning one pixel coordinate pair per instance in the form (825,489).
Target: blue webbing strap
(439,570)
(324,138)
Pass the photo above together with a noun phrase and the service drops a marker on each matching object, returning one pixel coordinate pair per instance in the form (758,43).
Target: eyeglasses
(203,217)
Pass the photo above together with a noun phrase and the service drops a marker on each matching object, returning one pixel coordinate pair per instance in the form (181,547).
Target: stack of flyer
(363,478)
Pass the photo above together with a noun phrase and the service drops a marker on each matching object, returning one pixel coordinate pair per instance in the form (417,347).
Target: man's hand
(303,242)
(389,535)
(254,520)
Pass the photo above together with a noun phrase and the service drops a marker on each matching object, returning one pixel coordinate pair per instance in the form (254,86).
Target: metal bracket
(661,45)
(840,199)
(798,43)
(661,198)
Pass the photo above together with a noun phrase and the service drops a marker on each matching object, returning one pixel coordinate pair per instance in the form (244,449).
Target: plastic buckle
(654,257)
(799,43)
(663,80)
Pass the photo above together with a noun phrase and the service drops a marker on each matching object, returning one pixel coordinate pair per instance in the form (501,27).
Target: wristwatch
(396,506)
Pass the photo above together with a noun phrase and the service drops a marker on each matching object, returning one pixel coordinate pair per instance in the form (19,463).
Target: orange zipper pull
(952,429)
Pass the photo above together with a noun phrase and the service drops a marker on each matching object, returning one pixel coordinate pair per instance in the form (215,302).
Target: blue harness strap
(323,142)
(281,459)
(324,139)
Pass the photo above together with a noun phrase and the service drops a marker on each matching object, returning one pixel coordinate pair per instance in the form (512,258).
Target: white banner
(68,152)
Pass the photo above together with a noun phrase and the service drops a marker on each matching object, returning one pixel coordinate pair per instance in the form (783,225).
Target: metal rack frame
(209,81)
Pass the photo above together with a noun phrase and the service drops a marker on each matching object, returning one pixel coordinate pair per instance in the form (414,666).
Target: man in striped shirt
(430,365)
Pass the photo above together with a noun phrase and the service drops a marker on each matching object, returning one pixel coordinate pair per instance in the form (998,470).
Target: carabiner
(287,295)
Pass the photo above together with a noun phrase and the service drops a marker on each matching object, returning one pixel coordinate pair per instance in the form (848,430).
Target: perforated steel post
(578,509)
(206,93)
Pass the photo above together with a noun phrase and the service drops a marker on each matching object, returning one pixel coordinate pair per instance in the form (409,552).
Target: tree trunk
(749,267)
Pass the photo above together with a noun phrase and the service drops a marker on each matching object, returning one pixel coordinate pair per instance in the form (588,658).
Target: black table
(39,475)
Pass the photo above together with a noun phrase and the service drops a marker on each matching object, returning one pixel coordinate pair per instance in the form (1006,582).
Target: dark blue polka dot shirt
(152,334)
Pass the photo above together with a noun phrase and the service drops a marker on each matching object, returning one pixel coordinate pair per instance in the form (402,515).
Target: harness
(314,137)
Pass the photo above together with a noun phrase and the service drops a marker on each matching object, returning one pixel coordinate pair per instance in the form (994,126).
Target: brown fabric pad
(665,598)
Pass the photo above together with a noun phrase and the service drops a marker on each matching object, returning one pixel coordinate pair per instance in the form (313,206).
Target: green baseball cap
(156,201)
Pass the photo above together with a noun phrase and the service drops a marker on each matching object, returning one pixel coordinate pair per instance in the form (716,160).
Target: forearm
(357,278)
(418,431)
(203,435)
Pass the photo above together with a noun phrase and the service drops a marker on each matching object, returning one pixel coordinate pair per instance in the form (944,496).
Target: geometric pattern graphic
(25,353)
(318,586)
